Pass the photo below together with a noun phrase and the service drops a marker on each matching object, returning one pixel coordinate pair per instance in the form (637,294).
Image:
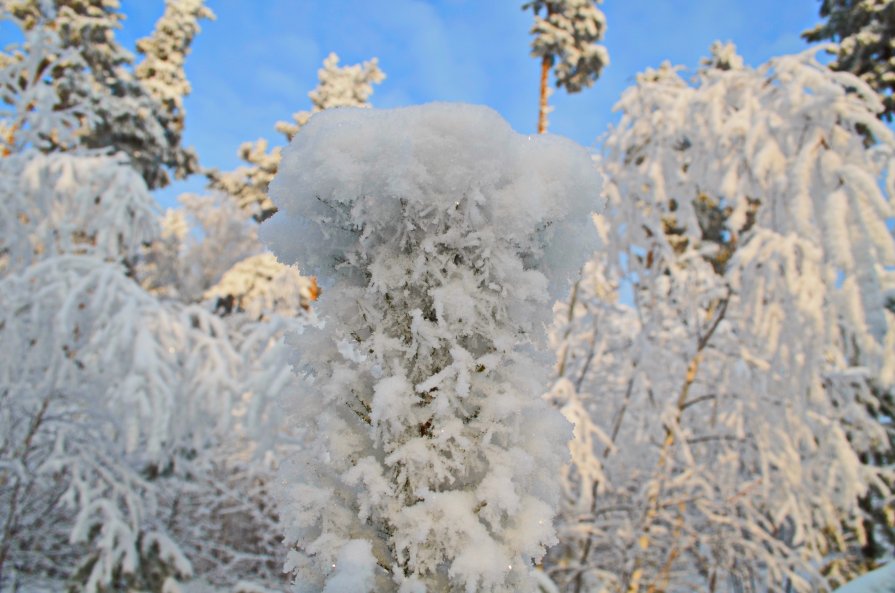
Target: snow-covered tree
(128,418)
(162,70)
(86,402)
(260,285)
(445,235)
(725,415)
(138,434)
(116,110)
(566,39)
(248,184)
(338,86)
(30,114)
(863,37)
(182,264)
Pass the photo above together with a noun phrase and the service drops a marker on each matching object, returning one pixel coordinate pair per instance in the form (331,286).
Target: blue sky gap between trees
(256,63)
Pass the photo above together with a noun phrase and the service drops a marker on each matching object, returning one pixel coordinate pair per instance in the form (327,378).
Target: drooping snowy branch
(62,204)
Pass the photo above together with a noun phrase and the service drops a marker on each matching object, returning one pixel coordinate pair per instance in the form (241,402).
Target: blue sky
(256,63)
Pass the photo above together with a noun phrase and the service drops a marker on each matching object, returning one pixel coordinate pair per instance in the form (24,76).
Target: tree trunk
(542,110)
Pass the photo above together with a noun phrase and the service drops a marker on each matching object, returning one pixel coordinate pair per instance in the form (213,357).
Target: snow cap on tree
(446,235)
(356,178)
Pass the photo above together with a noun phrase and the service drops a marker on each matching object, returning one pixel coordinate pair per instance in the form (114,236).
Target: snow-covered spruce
(862,36)
(162,71)
(338,86)
(430,455)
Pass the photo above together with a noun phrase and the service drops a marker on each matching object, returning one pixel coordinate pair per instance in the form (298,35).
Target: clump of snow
(353,569)
(357,177)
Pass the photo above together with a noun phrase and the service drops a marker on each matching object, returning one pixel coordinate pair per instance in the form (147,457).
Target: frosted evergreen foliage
(445,235)
(339,86)
(87,25)
(566,34)
(724,56)
(724,419)
(248,184)
(862,33)
(162,70)
(30,110)
(115,108)
(260,285)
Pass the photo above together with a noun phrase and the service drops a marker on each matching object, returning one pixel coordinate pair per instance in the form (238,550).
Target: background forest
(462,358)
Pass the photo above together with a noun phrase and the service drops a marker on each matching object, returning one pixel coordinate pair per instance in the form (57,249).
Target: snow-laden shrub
(430,456)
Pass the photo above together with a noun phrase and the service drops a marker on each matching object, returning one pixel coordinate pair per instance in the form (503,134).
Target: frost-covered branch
(732,406)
